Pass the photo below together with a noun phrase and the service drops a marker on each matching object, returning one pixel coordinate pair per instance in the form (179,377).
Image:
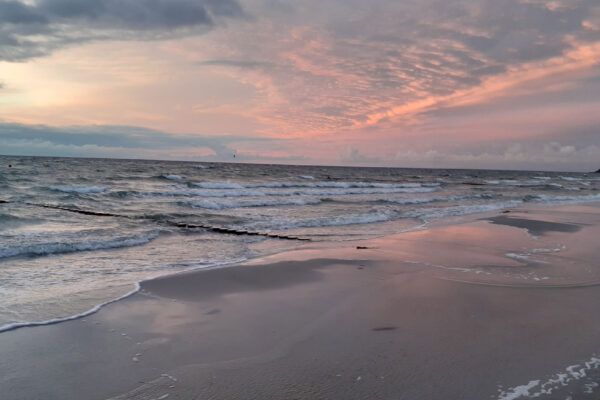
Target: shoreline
(292,322)
(426,224)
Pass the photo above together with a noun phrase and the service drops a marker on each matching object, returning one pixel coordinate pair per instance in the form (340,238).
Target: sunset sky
(503,84)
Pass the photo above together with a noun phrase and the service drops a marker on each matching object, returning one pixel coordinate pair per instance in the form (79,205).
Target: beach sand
(502,306)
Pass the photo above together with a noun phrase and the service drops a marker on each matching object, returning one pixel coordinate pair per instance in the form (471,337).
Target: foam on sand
(16,325)
(538,388)
(96,308)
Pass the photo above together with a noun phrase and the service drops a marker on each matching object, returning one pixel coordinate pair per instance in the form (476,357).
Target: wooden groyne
(183,225)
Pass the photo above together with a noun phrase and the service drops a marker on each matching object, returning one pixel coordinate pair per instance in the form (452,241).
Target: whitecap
(80,189)
(40,249)
(173,177)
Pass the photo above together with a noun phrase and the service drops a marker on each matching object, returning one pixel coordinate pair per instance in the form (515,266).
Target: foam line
(17,325)
(96,308)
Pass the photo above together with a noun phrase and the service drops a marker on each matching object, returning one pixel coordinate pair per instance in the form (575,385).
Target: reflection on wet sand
(474,310)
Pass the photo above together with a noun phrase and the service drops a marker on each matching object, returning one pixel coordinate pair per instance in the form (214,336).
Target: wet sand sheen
(391,321)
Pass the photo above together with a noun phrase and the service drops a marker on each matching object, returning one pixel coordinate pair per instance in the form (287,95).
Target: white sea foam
(94,309)
(38,249)
(318,184)
(552,199)
(537,388)
(424,200)
(512,182)
(452,211)
(417,200)
(221,205)
(553,250)
(218,185)
(520,257)
(339,220)
(310,177)
(79,189)
(286,192)
(173,177)
(502,182)
(16,325)
(519,391)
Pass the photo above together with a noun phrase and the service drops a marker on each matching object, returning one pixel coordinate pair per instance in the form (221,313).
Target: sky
(502,84)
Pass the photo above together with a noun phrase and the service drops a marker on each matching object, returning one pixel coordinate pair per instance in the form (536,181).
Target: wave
(79,189)
(348,219)
(221,205)
(41,249)
(213,205)
(296,192)
(454,211)
(96,308)
(172,177)
(569,179)
(511,182)
(8,221)
(16,325)
(580,181)
(298,184)
(9,218)
(383,216)
(554,199)
(425,200)
(217,185)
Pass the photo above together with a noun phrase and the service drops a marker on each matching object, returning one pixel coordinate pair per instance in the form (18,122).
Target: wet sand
(503,306)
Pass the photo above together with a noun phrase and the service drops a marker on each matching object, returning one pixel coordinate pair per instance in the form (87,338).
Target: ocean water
(56,264)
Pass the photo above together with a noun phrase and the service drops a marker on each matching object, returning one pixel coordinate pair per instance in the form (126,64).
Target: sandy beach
(494,306)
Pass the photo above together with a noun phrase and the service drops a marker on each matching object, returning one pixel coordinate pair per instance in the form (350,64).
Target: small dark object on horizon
(361,247)
(505,211)
(598,171)
(9,165)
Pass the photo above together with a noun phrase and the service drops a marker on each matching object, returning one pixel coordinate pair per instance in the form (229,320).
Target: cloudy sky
(410,83)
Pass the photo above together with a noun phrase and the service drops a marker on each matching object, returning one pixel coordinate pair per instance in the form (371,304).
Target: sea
(76,234)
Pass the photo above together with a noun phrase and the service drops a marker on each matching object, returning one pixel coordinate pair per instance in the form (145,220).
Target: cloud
(552,156)
(238,63)
(444,82)
(351,155)
(29,30)
(109,140)
(339,66)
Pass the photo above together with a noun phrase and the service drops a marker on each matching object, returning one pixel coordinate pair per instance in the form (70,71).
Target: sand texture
(502,307)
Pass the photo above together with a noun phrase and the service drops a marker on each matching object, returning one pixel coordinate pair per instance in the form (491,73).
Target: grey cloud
(140,14)
(115,137)
(14,12)
(28,31)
